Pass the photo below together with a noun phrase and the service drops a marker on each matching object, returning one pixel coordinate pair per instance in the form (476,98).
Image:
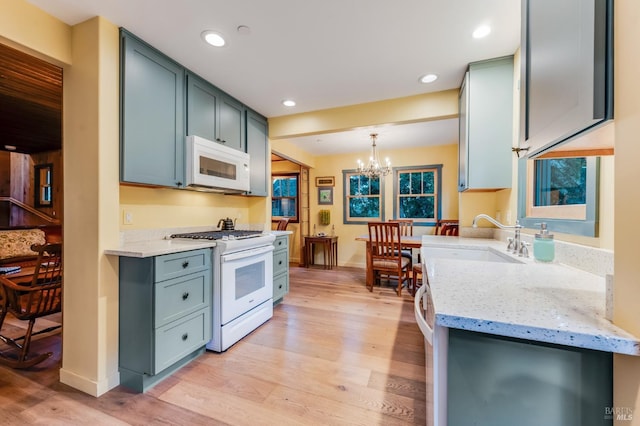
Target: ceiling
(321,54)
(30,103)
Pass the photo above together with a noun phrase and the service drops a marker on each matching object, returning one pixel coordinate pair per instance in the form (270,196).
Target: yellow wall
(29,29)
(627,201)
(90,152)
(351,252)
(168,208)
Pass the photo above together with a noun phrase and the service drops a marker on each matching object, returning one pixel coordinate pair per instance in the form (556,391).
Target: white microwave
(211,165)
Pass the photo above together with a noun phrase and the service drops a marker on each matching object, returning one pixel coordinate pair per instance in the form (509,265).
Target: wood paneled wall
(17,181)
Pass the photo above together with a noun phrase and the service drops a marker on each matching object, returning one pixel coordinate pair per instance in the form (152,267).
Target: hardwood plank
(333,353)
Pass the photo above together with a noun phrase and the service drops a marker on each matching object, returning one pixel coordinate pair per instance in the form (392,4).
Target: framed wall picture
(325,195)
(326,181)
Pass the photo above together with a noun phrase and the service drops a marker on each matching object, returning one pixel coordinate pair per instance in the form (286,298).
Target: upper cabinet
(566,74)
(231,123)
(162,103)
(486,125)
(258,150)
(152,116)
(213,115)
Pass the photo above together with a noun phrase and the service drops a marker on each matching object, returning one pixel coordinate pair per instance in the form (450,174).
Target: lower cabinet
(280,268)
(165,315)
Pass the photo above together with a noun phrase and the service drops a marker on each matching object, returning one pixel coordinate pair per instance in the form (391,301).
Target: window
(363,199)
(562,192)
(284,200)
(417,193)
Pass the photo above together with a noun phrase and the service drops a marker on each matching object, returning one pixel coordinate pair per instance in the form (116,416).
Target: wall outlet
(127,217)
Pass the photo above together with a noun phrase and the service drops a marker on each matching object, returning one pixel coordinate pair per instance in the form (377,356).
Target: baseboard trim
(88,386)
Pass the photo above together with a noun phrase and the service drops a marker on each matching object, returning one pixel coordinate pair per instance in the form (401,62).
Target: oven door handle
(421,301)
(243,254)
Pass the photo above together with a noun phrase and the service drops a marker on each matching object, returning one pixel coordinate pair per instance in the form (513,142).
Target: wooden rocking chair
(30,299)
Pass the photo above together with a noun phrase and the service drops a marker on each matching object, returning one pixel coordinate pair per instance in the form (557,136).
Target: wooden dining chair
(282,224)
(385,258)
(406,229)
(31,299)
(447,227)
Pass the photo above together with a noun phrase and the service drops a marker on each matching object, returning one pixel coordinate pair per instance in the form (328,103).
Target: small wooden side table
(329,250)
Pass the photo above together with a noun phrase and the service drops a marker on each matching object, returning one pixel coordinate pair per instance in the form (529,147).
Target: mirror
(43,175)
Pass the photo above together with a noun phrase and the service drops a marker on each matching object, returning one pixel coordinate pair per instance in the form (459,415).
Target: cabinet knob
(185,336)
(178,183)
(185,295)
(280,286)
(185,263)
(280,262)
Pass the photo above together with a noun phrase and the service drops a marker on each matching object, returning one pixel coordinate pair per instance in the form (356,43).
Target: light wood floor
(333,354)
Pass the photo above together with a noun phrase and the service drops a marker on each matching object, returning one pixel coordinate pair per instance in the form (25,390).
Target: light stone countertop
(155,242)
(157,247)
(545,302)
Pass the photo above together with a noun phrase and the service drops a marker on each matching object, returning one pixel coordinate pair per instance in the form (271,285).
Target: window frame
(437,168)
(295,219)
(346,219)
(580,219)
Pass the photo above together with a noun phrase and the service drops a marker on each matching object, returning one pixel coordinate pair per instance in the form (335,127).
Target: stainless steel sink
(486,254)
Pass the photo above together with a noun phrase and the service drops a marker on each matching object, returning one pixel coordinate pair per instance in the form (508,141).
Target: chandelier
(374,168)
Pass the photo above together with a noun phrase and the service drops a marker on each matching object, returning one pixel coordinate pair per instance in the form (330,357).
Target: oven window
(249,279)
(212,167)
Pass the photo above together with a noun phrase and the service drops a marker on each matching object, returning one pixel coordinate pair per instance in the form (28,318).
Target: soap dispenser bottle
(544,245)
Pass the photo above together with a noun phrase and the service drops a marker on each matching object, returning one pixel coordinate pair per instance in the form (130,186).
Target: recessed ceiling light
(289,103)
(481,31)
(213,38)
(10,147)
(428,78)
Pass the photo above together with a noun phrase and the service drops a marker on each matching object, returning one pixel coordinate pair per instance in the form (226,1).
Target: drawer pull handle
(185,295)
(185,336)
(185,264)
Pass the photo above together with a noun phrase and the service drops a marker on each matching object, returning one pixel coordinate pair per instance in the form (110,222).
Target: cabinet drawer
(177,264)
(280,286)
(281,243)
(179,338)
(280,262)
(180,296)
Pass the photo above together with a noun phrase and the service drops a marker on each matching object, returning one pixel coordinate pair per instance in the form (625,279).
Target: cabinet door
(463,135)
(152,114)
(202,100)
(566,70)
(258,149)
(486,125)
(231,123)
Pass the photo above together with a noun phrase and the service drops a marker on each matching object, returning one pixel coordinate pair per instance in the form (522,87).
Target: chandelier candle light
(374,168)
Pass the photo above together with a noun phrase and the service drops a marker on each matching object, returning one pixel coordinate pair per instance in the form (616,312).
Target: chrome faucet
(515,245)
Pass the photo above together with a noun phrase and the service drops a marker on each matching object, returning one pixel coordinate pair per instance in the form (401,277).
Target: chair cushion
(388,264)
(17,243)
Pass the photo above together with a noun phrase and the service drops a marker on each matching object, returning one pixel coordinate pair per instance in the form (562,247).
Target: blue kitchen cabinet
(231,123)
(280,268)
(258,150)
(152,115)
(566,71)
(213,115)
(500,381)
(164,315)
(486,125)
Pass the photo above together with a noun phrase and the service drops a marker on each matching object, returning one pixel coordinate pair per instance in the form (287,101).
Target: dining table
(406,242)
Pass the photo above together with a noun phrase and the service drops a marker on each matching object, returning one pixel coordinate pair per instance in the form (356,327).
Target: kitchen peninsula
(515,340)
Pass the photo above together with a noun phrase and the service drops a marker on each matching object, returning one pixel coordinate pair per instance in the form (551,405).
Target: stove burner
(219,235)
